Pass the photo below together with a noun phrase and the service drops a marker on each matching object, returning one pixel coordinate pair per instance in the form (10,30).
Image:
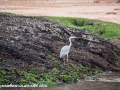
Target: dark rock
(24,40)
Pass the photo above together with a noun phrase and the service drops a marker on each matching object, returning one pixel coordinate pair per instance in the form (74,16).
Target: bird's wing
(64,51)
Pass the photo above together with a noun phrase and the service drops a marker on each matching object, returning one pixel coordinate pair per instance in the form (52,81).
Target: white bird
(65,49)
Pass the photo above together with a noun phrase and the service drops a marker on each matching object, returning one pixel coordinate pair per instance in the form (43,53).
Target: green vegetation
(94,78)
(119,60)
(118,57)
(103,29)
(64,75)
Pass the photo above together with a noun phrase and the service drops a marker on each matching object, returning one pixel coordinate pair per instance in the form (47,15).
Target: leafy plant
(118,58)
(94,78)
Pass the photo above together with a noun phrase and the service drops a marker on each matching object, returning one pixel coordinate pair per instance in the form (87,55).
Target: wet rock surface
(34,41)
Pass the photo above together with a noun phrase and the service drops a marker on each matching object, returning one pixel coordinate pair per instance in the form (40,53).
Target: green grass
(106,30)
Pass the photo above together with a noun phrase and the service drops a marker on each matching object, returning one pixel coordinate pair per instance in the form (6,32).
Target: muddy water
(104,82)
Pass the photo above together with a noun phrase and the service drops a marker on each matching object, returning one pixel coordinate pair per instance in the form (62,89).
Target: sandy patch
(106,10)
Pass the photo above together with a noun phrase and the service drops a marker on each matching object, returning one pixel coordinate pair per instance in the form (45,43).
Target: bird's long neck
(70,42)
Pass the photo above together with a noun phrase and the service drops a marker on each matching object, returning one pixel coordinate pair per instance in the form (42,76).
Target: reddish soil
(107,10)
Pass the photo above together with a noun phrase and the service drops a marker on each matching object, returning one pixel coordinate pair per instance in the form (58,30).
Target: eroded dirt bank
(33,41)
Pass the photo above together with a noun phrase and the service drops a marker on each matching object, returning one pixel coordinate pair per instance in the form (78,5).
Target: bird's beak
(77,37)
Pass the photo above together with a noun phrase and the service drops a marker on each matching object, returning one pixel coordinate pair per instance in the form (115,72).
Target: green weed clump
(106,30)
(118,58)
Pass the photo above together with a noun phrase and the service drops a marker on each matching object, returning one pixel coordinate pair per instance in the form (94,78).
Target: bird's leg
(66,61)
(67,57)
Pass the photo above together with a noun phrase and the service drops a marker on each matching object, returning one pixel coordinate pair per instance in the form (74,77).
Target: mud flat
(107,10)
